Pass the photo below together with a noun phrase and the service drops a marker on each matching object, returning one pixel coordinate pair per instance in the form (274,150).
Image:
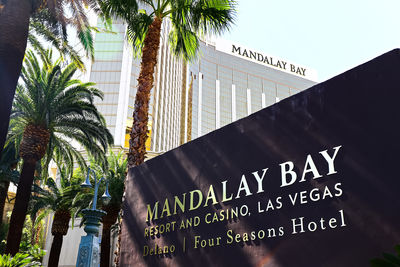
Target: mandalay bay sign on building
(310,181)
(267,60)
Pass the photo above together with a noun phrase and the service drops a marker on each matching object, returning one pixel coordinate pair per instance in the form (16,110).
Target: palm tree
(51,110)
(189,18)
(117,167)
(59,200)
(14,26)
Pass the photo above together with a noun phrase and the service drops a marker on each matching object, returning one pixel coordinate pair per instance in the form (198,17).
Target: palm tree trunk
(20,207)
(55,250)
(138,135)
(33,234)
(3,197)
(14,25)
(108,220)
(105,246)
(190,101)
(33,216)
(59,228)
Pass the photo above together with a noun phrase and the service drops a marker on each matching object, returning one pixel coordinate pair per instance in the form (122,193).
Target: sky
(330,36)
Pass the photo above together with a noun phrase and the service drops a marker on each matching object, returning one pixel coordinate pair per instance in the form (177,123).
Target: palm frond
(193,19)
(137,30)
(53,34)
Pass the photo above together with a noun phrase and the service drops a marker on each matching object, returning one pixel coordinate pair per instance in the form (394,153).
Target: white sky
(330,36)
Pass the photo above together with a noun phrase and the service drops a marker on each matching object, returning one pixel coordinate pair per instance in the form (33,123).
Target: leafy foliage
(116,173)
(33,251)
(67,196)
(388,260)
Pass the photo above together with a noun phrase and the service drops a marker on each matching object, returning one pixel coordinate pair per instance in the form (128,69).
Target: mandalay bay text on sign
(266,59)
(196,200)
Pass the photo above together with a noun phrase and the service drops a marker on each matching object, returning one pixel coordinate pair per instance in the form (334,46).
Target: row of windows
(110,38)
(109,46)
(106,66)
(106,76)
(208,113)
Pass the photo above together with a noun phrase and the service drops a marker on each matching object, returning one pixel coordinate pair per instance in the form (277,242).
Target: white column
(167,121)
(157,96)
(199,104)
(180,93)
(263,104)
(177,105)
(186,102)
(172,122)
(217,105)
(123,96)
(233,102)
(162,98)
(276,94)
(248,101)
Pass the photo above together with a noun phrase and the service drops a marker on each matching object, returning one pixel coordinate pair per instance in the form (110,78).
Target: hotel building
(229,82)
(226,82)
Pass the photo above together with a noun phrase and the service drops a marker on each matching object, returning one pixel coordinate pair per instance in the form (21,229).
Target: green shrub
(19,260)
(35,252)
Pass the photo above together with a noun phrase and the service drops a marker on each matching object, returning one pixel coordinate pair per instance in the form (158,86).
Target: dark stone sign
(311,181)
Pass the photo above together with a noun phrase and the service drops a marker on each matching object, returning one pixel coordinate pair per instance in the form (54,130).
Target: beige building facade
(230,82)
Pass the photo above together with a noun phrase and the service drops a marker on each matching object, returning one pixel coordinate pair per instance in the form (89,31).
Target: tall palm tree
(51,110)
(115,175)
(190,19)
(59,200)
(14,26)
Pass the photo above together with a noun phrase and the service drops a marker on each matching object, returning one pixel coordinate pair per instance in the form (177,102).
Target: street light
(89,249)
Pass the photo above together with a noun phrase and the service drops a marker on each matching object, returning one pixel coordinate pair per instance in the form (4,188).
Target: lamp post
(89,249)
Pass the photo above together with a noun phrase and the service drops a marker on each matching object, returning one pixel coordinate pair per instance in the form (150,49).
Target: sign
(310,181)
(265,59)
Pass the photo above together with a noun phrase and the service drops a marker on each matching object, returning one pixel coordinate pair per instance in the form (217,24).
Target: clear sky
(330,36)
